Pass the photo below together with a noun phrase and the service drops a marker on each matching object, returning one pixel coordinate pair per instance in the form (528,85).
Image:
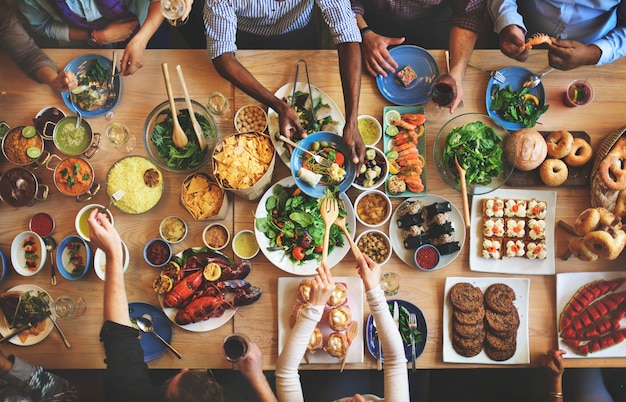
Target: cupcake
(339,295)
(337,345)
(339,318)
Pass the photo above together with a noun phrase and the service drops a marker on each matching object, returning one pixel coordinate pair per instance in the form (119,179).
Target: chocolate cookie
(469,318)
(468,343)
(499,322)
(467,352)
(499,297)
(468,331)
(499,355)
(495,342)
(465,297)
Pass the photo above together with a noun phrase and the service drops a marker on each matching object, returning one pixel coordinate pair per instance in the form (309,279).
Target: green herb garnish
(516,106)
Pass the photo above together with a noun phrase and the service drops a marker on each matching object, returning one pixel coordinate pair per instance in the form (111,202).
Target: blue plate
(371,338)
(63,256)
(81,63)
(515,77)
(152,347)
(425,67)
(334,141)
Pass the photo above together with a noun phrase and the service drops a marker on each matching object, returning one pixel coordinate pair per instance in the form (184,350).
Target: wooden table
(144,90)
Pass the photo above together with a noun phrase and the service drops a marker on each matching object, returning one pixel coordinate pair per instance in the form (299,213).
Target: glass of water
(69,306)
(121,137)
(390,282)
(218,105)
(173,11)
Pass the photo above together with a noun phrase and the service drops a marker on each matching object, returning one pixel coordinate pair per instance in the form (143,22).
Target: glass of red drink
(579,93)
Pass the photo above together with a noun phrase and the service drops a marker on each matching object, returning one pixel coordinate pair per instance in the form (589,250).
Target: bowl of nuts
(250,118)
(375,244)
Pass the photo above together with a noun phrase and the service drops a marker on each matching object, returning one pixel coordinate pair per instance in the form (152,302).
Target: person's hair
(197,386)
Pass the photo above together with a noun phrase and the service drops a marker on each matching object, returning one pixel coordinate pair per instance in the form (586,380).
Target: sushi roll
(437,208)
(409,220)
(413,242)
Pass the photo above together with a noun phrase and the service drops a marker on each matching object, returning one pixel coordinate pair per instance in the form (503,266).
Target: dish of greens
(511,104)
(34,303)
(325,115)
(290,230)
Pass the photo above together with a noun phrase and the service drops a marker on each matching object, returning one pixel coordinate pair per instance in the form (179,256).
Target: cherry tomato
(298,253)
(318,249)
(306,241)
(339,158)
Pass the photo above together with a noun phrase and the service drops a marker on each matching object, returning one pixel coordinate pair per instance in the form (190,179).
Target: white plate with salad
(323,105)
(284,258)
(37,307)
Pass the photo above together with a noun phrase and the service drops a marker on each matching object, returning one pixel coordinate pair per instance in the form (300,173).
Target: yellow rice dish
(141,181)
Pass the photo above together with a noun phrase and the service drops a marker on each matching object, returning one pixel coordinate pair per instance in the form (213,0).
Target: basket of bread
(599,235)
(608,174)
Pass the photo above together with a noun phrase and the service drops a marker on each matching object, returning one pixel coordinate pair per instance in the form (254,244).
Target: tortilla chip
(242,159)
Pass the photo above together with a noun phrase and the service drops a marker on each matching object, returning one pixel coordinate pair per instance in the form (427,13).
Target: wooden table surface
(144,90)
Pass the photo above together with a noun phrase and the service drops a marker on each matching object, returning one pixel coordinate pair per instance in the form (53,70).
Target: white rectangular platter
(287,292)
(515,265)
(566,286)
(521,287)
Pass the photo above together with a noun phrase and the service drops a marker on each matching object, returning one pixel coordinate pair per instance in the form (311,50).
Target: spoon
(178,134)
(194,122)
(145,325)
(51,245)
(534,79)
(466,213)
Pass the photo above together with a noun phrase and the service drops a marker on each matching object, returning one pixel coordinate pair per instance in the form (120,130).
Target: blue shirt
(222,19)
(598,22)
(45,21)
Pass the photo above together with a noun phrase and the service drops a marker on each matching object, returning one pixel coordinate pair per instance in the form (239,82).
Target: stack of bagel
(600,235)
(608,176)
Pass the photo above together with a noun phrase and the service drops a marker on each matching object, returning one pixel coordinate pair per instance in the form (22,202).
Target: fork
(413,328)
(116,196)
(318,158)
(329,210)
(496,74)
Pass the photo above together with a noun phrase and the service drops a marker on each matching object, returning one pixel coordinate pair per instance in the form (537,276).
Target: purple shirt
(466,14)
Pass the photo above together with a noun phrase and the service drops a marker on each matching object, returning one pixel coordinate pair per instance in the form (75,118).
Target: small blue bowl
(163,258)
(334,141)
(73,257)
(3,265)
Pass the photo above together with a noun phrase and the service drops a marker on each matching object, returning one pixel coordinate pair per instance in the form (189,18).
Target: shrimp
(404,124)
(537,39)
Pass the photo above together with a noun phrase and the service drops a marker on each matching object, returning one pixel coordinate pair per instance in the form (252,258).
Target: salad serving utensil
(341,222)
(318,158)
(178,134)
(413,328)
(329,210)
(351,333)
(462,171)
(194,122)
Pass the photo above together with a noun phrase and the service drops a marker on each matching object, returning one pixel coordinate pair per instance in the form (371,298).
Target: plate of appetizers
(511,242)
(409,86)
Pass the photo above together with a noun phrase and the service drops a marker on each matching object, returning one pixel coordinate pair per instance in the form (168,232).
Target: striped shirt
(466,14)
(267,18)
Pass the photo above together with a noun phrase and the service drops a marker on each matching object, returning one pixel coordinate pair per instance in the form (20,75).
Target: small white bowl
(370,164)
(366,211)
(100,261)
(250,118)
(81,225)
(376,249)
(28,253)
(173,235)
(242,237)
(370,129)
(209,236)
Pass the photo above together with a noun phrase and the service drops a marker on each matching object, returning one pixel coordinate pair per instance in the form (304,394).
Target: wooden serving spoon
(194,122)
(466,213)
(178,134)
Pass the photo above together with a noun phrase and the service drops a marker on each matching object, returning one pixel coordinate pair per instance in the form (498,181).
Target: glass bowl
(156,136)
(446,167)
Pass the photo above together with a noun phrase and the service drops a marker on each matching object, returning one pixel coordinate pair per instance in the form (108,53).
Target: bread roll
(529,150)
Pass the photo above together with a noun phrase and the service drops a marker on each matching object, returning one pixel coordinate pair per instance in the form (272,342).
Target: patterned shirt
(222,19)
(466,14)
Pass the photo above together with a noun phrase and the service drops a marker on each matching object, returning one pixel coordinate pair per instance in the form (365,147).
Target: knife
(16,331)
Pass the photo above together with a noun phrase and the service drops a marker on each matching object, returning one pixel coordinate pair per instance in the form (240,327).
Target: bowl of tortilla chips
(243,163)
(203,198)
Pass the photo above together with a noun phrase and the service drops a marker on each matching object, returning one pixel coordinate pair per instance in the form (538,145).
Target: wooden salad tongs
(351,332)
(329,210)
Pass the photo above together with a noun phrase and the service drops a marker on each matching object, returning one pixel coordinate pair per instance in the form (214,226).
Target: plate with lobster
(198,304)
(591,307)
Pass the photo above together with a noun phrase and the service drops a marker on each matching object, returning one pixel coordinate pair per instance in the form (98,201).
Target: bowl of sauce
(370,129)
(216,236)
(42,224)
(74,176)
(81,224)
(245,245)
(73,141)
(427,257)
(22,145)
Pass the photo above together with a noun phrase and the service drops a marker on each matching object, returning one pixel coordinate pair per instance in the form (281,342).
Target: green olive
(315,146)
(324,144)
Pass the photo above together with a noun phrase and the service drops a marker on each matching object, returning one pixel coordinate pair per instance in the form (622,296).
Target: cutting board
(577,176)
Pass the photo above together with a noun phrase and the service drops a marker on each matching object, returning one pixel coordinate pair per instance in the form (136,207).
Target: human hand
(251,366)
(355,144)
(553,362)
(569,54)
(369,271)
(376,57)
(103,235)
(117,31)
(289,123)
(322,286)
(512,43)
(456,90)
(64,81)
(132,59)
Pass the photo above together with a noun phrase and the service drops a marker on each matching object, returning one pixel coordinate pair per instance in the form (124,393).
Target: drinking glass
(390,283)
(218,105)
(121,137)
(69,306)
(173,11)
(235,347)
(441,96)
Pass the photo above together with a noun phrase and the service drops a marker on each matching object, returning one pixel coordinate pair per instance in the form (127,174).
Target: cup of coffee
(235,347)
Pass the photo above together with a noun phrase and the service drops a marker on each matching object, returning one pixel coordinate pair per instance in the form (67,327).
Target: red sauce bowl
(157,252)
(427,257)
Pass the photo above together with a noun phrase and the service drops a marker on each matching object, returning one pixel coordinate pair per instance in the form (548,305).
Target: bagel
(611,170)
(593,219)
(580,251)
(580,153)
(620,205)
(620,241)
(559,144)
(553,172)
(601,243)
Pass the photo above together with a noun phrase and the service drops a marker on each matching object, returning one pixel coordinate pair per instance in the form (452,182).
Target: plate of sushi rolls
(430,219)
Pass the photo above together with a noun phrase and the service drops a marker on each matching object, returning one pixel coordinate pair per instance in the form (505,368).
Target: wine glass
(121,137)
(69,306)
(173,11)
(441,96)
(218,105)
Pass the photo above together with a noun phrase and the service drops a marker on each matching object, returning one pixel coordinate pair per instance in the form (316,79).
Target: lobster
(238,270)
(213,301)
(183,290)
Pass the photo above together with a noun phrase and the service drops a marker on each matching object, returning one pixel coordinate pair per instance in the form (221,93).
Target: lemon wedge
(29,132)
(532,98)
(394,167)
(163,284)
(391,115)
(212,272)
(391,131)
(80,89)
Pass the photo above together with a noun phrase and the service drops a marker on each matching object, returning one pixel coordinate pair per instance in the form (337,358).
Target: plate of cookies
(344,306)
(485,320)
(512,232)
